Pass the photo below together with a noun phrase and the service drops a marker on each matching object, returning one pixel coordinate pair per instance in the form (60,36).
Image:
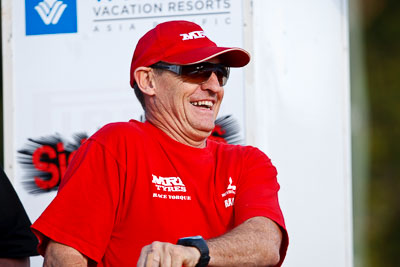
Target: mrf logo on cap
(192,35)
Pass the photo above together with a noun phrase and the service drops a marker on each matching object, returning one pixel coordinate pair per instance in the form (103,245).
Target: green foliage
(382,57)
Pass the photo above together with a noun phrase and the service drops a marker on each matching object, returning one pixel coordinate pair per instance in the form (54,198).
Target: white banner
(70,76)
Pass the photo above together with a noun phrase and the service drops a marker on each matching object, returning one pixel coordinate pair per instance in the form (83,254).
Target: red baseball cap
(182,43)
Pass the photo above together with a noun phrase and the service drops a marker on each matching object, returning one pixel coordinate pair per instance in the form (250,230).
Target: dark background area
(1,97)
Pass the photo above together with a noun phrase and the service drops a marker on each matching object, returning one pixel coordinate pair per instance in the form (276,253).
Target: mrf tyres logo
(169,188)
(168,184)
(50,16)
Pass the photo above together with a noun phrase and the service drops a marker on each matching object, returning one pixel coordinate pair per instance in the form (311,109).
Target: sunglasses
(197,73)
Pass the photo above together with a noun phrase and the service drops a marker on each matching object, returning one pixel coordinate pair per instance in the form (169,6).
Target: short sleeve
(257,194)
(82,214)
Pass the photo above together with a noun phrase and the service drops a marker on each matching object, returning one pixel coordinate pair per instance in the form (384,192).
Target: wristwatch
(199,243)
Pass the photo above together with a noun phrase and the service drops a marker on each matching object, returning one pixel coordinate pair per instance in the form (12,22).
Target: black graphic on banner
(226,130)
(45,160)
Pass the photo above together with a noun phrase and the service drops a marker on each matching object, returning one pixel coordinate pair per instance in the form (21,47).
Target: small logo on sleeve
(230,190)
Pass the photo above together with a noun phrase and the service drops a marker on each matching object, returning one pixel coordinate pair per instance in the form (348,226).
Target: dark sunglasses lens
(222,75)
(196,76)
(202,72)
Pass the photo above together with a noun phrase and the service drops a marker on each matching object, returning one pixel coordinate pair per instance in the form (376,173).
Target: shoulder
(120,131)
(248,157)
(121,128)
(244,151)
(119,139)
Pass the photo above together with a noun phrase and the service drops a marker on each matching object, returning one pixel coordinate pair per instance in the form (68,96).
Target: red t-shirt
(130,184)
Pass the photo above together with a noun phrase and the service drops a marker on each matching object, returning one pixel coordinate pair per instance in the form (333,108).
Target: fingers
(142,258)
(149,259)
(150,256)
(166,258)
(162,254)
(176,262)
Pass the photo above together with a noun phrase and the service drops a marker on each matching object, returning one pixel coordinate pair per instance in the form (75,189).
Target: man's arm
(10,262)
(59,255)
(256,242)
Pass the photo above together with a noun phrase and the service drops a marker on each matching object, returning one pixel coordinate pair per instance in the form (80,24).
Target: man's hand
(168,255)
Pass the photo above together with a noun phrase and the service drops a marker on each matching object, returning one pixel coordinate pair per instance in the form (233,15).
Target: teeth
(205,103)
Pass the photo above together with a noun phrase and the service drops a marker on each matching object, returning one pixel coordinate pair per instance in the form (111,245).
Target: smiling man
(160,193)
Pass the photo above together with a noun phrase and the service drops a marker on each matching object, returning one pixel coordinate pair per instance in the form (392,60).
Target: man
(134,191)
(17,242)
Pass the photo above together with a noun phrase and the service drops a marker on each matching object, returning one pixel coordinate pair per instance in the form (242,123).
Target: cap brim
(229,56)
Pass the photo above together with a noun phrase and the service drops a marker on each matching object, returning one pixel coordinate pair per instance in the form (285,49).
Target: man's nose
(212,84)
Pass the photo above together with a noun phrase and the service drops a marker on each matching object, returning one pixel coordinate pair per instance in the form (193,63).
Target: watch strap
(199,243)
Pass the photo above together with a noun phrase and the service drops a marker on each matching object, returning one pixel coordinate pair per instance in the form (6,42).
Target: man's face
(187,108)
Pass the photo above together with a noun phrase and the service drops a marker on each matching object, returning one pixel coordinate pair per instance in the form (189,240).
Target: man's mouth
(203,104)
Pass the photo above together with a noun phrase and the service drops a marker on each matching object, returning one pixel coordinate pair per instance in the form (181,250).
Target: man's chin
(206,130)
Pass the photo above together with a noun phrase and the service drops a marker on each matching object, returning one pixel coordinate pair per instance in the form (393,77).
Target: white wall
(298,112)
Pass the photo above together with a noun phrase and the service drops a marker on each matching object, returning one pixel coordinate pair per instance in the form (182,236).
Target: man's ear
(144,78)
